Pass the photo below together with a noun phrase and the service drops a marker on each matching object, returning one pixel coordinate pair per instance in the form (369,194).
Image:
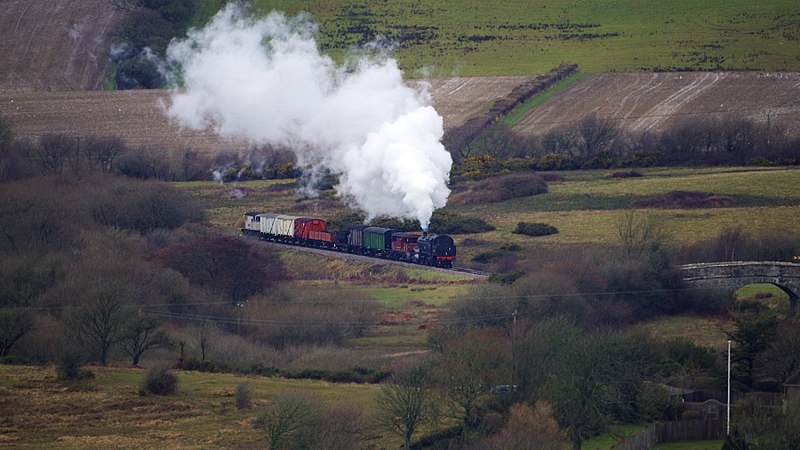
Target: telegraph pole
(513,358)
(728,428)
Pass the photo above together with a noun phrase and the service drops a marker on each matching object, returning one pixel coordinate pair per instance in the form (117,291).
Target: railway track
(463,271)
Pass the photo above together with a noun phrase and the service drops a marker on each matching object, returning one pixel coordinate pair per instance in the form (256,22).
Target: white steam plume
(265,80)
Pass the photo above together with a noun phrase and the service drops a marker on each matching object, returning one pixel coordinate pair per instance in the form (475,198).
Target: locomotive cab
(436,250)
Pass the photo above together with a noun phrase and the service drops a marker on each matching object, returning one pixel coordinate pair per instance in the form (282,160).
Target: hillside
(55,45)
(654,101)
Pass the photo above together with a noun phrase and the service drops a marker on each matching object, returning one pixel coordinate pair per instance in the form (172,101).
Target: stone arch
(733,275)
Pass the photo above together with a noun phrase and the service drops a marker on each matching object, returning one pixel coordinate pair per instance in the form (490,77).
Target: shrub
(535,229)
(623,174)
(69,368)
(486,257)
(506,277)
(243,396)
(684,199)
(502,188)
(159,381)
(520,185)
(448,223)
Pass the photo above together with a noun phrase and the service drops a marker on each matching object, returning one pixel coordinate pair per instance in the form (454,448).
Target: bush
(69,368)
(535,229)
(506,277)
(684,199)
(159,381)
(623,174)
(502,188)
(448,223)
(486,257)
(243,396)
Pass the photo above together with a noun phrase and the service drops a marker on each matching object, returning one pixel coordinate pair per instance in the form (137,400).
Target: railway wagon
(432,250)
(404,242)
(252,223)
(267,221)
(377,240)
(304,226)
(284,227)
(356,237)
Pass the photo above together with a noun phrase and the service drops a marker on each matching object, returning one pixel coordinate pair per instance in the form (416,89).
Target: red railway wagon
(323,236)
(304,226)
(404,242)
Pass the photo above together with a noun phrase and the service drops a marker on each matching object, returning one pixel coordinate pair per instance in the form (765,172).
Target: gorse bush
(449,223)
(159,381)
(244,397)
(535,229)
(502,188)
(69,368)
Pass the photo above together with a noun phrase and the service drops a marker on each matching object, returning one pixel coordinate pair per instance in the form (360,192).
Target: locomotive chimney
(424,233)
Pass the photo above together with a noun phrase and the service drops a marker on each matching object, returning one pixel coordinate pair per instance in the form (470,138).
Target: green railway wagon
(378,239)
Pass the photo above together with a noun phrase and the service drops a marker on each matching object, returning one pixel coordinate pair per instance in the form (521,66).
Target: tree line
(597,143)
(62,154)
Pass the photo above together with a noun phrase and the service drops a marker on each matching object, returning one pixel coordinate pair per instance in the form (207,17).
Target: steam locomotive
(435,250)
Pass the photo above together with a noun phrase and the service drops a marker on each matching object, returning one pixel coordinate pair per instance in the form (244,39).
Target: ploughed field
(654,101)
(56,45)
(638,101)
(137,116)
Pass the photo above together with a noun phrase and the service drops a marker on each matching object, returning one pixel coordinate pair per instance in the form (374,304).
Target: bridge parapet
(736,274)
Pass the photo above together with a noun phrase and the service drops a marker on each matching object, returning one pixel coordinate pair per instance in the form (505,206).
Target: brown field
(653,101)
(639,101)
(58,45)
(137,115)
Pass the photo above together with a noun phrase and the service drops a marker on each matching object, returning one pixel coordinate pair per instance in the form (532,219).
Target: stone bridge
(736,274)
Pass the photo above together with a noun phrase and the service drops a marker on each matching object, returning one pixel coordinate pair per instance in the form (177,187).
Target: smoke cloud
(264,79)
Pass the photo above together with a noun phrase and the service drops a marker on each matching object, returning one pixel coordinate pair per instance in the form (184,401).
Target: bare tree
(204,331)
(560,141)
(339,429)
(14,324)
(98,323)
(639,234)
(470,366)
(406,404)
(288,421)
(141,334)
(54,151)
(729,240)
(103,151)
(594,135)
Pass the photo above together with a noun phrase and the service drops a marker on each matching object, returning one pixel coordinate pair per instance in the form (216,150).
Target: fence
(684,430)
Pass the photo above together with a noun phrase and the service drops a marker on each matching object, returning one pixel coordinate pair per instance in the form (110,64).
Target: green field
(477,38)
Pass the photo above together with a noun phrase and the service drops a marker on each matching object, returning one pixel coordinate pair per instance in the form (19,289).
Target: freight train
(435,250)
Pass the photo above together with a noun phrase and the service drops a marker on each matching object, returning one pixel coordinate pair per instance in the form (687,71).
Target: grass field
(40,412)
(585,207)
(517,38)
